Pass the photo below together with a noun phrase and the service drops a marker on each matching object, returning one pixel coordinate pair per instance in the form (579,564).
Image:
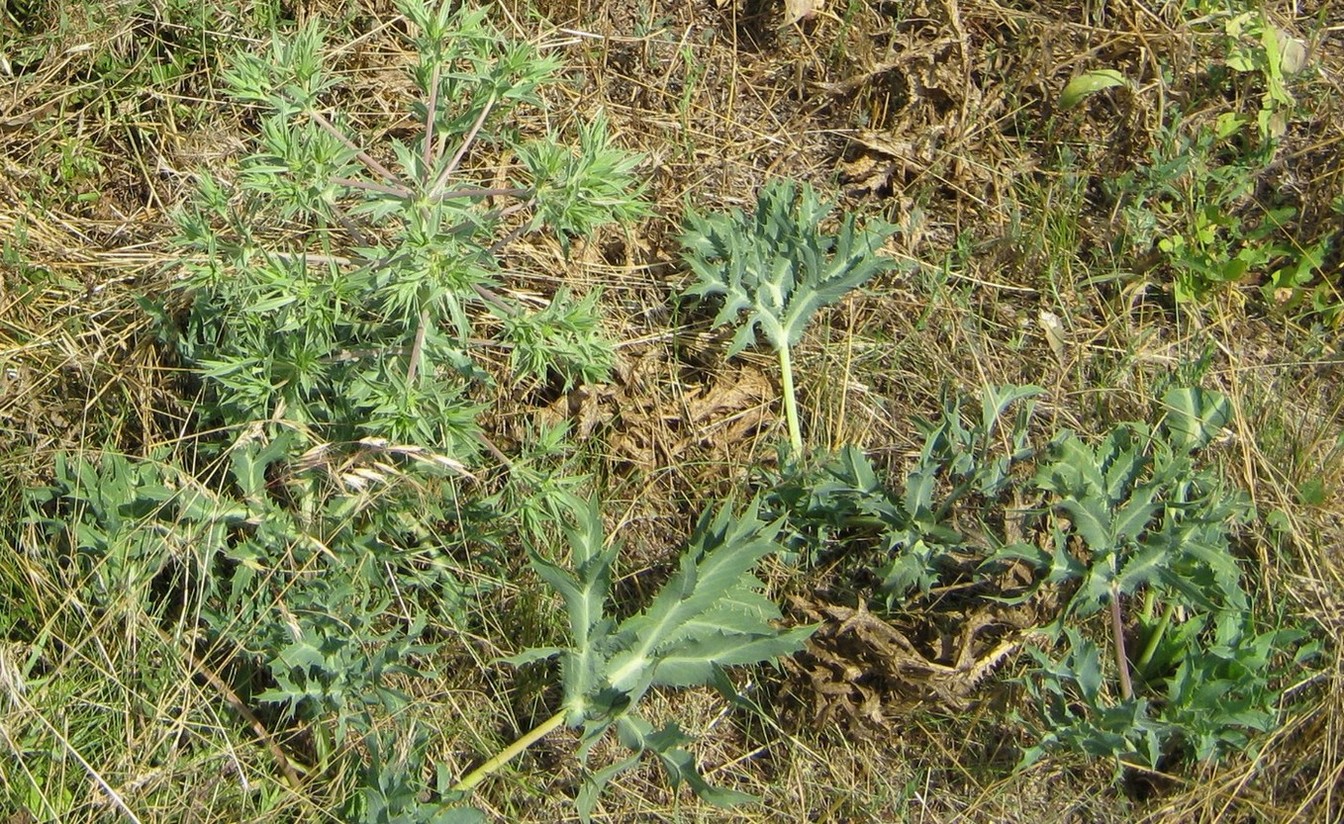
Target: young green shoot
(780,267)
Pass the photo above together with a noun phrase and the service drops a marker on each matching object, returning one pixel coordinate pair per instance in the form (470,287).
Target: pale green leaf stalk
(711,614)
(780,267)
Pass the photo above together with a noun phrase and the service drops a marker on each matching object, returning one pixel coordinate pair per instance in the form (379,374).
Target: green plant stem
(351,183)
(441,181)
(1121,659)
(790,402)
(431,114)
(363,156)
(417,349)
(468,191)
(510,752)
(1150,648)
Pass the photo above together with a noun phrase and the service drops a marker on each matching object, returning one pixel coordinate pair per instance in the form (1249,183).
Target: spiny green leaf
(679,765)
(996,400)
(709,615)
(1143,567)
(1073,471)
(692,662)
(574,595)
(301,655)
(1132,518)
(532,655)
(778,266)
(459,815)
(1092,520)
(584,594)
(1195,416)
(590,790)
(1124,460)
(742,610)
(724,550)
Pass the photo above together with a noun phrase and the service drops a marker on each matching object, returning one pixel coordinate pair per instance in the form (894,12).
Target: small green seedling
(780,267)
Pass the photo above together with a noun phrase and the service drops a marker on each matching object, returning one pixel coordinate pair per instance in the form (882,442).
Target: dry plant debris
(866,671)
